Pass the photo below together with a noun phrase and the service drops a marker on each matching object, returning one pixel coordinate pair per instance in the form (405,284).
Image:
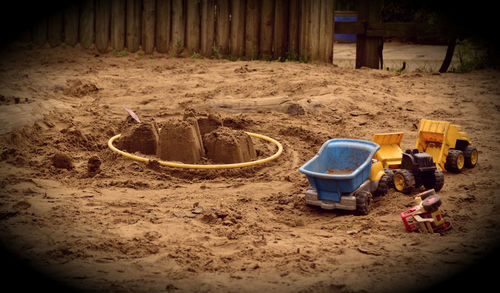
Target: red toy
(426,217)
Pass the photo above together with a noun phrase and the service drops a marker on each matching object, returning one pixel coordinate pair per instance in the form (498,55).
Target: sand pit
(127,226)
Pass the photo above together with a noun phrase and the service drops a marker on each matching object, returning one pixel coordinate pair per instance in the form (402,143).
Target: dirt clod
(62,161)
(93,164)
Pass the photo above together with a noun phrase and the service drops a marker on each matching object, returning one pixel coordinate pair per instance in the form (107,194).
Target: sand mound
(142,137)
(209,123)
(180,141)
(77,88)
(225,145)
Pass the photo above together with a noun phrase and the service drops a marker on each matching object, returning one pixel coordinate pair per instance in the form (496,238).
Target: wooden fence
(248,29)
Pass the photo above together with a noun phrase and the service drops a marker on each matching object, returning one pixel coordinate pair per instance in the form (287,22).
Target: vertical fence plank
(26,35)
(222,27)
(178,25)
(280,38)
(148,25)
(133,25)
(192,26)
(118,24)
(207,27)
(237,38)
(55,28)
(163,18)
(71,19)
(294,22)
(102,24)
(369,49)
(266,29)
(40,32)
(305,24)
(326,31)
(252,25)
(315,29)
(87,18)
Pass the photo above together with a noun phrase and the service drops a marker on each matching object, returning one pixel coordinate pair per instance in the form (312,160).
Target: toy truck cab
(417,169)
(417,162)
(448,145)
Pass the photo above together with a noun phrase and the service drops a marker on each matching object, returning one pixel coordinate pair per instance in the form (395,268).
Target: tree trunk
(449,55)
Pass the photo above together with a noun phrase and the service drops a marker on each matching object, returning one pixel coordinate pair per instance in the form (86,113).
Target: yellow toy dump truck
(407,170)
(449,146)
(390,152)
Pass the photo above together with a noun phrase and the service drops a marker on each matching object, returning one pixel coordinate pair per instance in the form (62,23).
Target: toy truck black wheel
(455,161)
(431,203)
(383,185)
(363,202)
(390,175)
(435,181)
(404,181)
(471,156)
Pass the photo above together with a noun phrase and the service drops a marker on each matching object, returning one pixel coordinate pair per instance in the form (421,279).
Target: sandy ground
(134,227)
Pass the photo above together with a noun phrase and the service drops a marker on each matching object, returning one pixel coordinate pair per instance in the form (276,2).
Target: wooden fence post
(178,26)
(237,39)
(71,19)
(326,31)
(163,19)
(102,24)
(118,24)
(148,25)
(192,26)
(55,28)
(266,29)
(280,38)
(87,21)
(40,32)
(207,27)
(305,24)
(315,29)
(369,49)
(294,22)
(252,29)
(133,25)
(222,27)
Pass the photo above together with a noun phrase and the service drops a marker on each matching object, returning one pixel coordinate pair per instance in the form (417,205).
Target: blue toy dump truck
(344,175)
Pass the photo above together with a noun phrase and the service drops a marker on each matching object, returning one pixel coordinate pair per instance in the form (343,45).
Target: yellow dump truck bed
(390,153)
(437,138)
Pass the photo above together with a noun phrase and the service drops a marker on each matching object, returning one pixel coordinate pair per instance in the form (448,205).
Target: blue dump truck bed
(340,166)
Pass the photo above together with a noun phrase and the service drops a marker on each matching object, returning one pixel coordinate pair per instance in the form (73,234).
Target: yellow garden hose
(195,166)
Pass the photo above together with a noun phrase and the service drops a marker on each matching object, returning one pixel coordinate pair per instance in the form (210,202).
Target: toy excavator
(426,216)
